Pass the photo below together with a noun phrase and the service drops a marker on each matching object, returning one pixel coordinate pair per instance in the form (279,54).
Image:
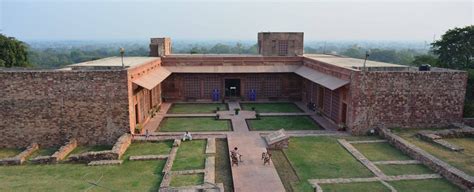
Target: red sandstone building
(97,101)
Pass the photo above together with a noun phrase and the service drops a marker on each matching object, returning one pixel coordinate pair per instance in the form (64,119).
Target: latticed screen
(141,97)
(334,105)
(209,84)
(313,93)
(192,87)
(272,86)
(253,83)
(283,47)
(327,102)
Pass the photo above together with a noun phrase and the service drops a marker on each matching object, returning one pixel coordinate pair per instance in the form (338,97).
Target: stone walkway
(251,174)
(379,175)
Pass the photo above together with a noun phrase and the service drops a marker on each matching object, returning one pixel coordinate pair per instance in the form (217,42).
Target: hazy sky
(236,20)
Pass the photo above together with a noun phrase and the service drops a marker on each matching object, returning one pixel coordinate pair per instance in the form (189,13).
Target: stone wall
(407,99)
(49,107)
(449,172)
(20,158)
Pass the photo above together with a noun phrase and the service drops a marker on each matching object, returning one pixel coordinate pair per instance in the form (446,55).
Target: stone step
(105,162)
(211,146)
(148,157)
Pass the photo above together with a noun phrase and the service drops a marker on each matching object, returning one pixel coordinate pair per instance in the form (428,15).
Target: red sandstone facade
(97,102)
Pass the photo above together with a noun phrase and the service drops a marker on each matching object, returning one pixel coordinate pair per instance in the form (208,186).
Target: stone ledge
(368,141)
(210,170)
(403,162)
(105,162)
(148,157)
(43,160)
(20,158)
(123,142)
(93,156)
(64,150)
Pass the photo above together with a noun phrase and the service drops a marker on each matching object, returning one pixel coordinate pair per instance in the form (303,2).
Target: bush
(469,109)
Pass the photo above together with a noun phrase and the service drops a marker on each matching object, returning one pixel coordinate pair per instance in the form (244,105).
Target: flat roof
(351,63)
(115,62)
(233,69)
(213,55)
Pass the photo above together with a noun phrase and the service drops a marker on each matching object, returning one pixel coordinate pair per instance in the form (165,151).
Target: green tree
(13,53)
(455,49)
(425,59)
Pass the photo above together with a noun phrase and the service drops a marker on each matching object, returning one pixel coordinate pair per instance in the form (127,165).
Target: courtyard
(327,160)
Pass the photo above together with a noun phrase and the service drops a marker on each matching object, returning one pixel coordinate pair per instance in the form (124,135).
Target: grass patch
(321,158)
(9,152)
(188,108)
(272,107)
(223,173)
(404,169)
(380,152)
(362,187)
(130,176)
(148,148)
(428,185)
(284,169)
(462,160)
(187,180)
(43,152)
(283,122)
(191,155)
(174,124)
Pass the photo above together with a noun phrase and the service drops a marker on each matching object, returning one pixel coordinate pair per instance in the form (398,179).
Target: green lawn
(463,160)
(9,152)
(148,148)
(283,122)
(130,176)
(404,169)
(223,173)
(272,107)
(191,155)
(187,180)
(189,108)
(428,185)
(356,187)
(380,152)
(174,124)
(321,158)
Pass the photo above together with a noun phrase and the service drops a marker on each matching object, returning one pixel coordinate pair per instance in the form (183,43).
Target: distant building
(97,101)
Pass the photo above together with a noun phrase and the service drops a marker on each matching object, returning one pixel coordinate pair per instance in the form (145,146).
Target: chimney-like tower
(160,47)
(280,43)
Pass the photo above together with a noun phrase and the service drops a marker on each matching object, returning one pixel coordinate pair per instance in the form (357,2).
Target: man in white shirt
(187,136)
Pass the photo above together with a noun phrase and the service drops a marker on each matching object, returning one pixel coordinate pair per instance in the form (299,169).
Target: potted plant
(342,127)
(257,116)
(217,116)
(237,111)
(253,108)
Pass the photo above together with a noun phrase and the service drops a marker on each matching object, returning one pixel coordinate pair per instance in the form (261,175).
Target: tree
(13,53)
(426,59)
(455,49)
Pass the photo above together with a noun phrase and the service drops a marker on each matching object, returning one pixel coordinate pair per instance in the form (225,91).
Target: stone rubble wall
(51,106)
(406,99)
(449,172)
(115,153)
(20,158)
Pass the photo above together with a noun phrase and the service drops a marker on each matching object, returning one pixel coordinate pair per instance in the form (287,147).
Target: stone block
(277,140)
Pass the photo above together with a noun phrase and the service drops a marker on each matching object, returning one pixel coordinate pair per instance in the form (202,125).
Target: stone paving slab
(170,160)
(361,158)
(368,141)
(187,172)
(105,162)
(343,180)
(148,157)
(154,122)
(210,170)
(211,146)
(404,162)
(411,177)
(251,174)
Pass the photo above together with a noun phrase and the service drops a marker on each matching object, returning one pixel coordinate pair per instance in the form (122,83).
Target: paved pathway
(251,174)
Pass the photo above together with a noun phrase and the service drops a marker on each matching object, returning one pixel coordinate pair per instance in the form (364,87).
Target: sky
(420,20)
